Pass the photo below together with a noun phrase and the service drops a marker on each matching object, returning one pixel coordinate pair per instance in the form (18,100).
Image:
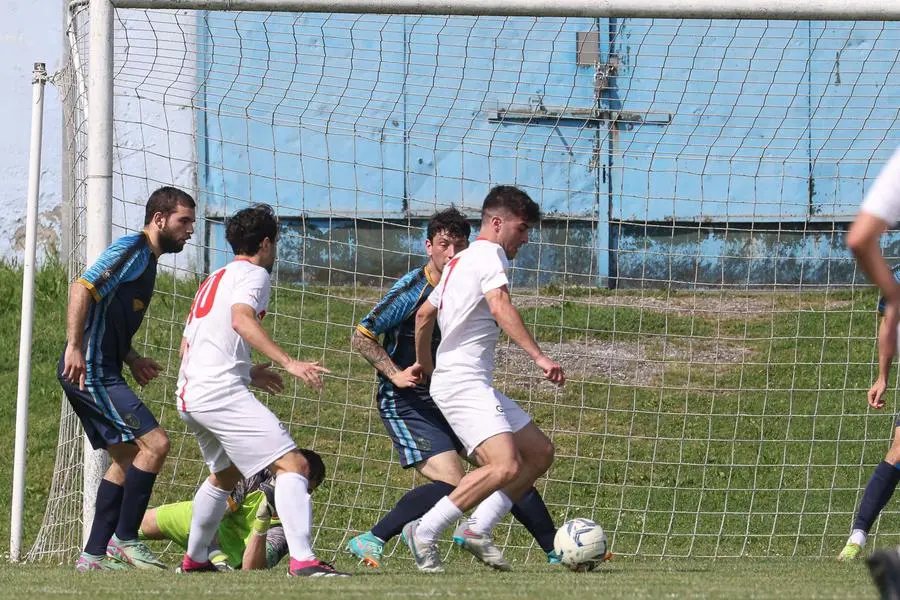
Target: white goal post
(697,163)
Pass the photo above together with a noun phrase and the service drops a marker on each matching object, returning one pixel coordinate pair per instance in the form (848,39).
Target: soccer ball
(580,544)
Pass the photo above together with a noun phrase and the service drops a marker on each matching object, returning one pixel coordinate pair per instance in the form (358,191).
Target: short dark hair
(316,466)
(246,230)
(451,222)
(166,200)
(512,200)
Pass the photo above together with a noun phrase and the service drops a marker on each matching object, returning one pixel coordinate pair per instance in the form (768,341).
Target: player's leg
(501,465)
(878,492)
(442,469)
(211,499)
(254,438)
(168,522)
(531,511)
(209,506)
(149,527)
(137,426)
(107,509)
(294,508)
(103,433)
(536,452)
(424,441)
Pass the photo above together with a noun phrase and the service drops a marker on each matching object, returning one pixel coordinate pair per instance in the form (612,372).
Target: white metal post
(99,193)
(850,10)
(38,81)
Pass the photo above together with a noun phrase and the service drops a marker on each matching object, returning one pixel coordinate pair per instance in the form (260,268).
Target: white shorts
(477,412)
(243,432)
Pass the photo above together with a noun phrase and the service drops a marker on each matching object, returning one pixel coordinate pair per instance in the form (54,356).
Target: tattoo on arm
(372,351)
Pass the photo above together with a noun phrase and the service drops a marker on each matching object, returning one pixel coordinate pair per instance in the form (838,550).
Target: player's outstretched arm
(887,348)
(510,321)
(74,366)
(373,352)
(245,323)
(425,319)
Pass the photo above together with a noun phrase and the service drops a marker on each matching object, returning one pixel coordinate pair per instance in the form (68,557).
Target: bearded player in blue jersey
(106,307)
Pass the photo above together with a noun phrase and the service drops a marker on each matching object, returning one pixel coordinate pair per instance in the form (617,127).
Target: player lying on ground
(250,535)
(418,430)
(471,304)
(106,307)
(236,432)
(880,210)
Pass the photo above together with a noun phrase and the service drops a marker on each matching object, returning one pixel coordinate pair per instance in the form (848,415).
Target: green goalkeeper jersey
(174,521)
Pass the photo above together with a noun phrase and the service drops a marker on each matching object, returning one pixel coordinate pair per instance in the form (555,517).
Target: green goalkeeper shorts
(174,522)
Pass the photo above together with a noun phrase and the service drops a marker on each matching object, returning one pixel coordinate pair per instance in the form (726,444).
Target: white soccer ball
(580,544)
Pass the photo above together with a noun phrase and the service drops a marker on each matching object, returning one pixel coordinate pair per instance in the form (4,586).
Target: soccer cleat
(367,548)
(850,552)
(884,567)
(220,560)
(89,562)
(189,565)
(481,546)
(134,553)
(313,568)
(426,555)
(553,558)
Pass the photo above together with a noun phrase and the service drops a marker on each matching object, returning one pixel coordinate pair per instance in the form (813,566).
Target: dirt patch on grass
(618,362)
(707,306)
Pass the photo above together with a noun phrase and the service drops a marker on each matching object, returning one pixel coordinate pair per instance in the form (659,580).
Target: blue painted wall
(706,139)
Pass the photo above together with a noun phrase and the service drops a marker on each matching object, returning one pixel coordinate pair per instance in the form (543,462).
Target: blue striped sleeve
(396,305)
(117,263)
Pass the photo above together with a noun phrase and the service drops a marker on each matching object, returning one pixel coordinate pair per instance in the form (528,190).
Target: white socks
(489,512)
(208,509)
(858,536)
(294,508)
(436,520)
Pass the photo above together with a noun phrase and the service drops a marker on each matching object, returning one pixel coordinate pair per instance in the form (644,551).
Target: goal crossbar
(857,10)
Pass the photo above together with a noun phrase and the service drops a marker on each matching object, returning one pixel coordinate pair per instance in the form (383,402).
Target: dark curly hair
(512,200)
(451,222)
(246,230)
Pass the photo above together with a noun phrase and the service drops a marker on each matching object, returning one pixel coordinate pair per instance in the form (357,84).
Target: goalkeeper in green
(250,535)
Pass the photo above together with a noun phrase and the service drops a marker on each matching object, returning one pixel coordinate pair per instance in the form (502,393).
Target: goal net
(696,178)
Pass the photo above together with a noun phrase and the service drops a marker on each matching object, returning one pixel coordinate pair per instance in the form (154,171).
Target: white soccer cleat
(426,555)
(481,546)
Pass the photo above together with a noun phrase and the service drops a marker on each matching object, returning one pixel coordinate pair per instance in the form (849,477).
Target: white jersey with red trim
(216,362)
(883,198)
(469,332)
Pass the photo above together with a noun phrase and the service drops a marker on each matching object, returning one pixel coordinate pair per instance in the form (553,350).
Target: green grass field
(632,579)
(694,425)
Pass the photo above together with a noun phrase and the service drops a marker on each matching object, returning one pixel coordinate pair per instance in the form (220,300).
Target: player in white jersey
(471,304)
(238,435)
(879,212)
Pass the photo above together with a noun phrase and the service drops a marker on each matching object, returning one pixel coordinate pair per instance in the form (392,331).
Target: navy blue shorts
(417,428)
(110,412)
